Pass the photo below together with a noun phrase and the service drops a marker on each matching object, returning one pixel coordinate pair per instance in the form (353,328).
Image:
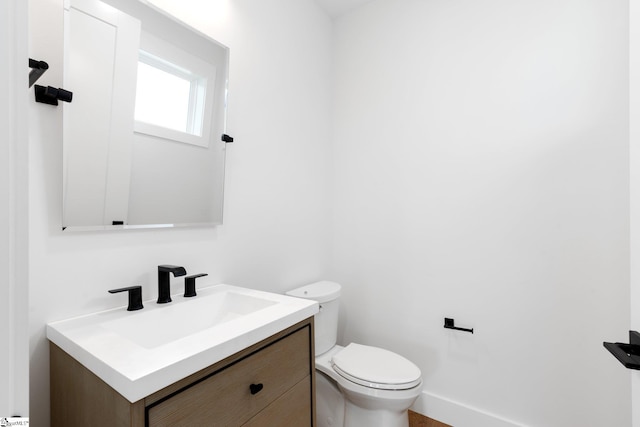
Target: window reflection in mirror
(163,94)
(175,92)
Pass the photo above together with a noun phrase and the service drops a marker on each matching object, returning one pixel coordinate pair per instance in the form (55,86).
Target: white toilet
(356,385)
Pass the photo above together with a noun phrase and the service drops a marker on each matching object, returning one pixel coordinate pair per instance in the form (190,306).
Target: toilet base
(362,406)
(333,410)
(357,416)
(329,402)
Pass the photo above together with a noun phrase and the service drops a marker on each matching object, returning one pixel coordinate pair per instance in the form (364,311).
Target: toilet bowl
(356,385)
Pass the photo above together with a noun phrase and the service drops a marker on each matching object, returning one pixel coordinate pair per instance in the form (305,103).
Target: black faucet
(164,291)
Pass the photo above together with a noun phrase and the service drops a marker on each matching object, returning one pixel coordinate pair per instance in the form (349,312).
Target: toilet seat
(375,367)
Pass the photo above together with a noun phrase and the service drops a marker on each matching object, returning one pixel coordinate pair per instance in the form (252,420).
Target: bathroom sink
(140,352)
(152,328)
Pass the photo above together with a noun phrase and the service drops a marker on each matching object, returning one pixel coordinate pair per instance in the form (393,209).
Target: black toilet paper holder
(451,324)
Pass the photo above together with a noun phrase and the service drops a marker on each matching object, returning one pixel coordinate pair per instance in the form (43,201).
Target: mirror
(142,137)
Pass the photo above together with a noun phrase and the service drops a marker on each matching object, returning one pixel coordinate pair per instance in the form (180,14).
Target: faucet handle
(135,296)
(190,284)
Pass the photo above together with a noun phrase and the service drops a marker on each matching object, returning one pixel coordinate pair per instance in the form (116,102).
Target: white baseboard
(457,414)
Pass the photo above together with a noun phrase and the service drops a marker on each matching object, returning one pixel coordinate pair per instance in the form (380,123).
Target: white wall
(14,367)
(481,173)
(274,232)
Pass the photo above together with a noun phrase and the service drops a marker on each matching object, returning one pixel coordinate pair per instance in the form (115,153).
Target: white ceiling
(338,7)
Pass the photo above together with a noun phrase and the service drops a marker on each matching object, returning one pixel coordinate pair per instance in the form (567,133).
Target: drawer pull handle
(255,388)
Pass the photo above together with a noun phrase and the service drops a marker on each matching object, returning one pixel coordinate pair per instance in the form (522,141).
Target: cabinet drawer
(225,399)
(291,409)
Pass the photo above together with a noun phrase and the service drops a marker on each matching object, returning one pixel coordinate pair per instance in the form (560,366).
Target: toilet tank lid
(323,291)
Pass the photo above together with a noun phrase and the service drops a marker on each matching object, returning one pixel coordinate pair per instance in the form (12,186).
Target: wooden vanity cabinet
(270,384)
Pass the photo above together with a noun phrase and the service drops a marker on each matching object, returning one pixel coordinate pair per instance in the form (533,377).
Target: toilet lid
(376,368)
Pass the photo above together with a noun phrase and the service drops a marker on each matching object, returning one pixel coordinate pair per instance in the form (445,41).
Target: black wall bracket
(627,354)
(46,94)
(451,324)
(37,70)
(51,95)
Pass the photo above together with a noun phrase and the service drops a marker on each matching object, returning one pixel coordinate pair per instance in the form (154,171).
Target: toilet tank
(327,294)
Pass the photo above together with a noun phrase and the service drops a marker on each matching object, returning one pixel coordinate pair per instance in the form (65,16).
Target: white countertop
(136,368)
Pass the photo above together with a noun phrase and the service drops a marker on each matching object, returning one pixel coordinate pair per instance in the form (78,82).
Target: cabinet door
(226,399)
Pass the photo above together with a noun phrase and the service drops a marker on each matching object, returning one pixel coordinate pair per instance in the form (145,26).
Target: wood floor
(418,420)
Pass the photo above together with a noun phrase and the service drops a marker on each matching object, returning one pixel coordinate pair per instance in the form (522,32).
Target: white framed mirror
(142,137)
